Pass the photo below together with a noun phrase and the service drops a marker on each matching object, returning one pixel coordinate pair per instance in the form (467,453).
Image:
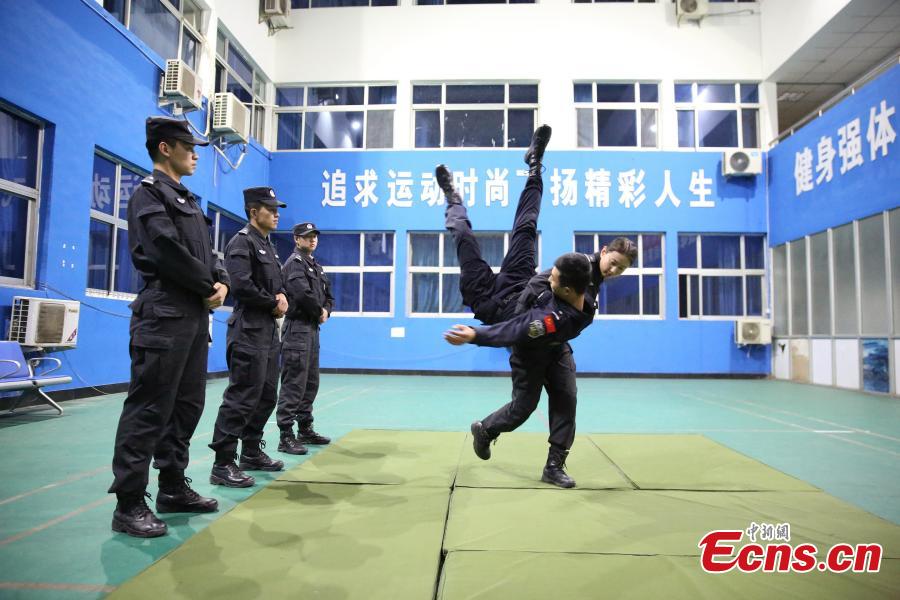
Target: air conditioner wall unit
(276,12)
(691,10)
(43,322)
(752,331)
(741,162)
(180,86)
(231,119)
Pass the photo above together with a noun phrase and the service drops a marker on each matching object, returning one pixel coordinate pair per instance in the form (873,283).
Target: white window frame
(737,106)
(33,195)
(258,126)
(310,7)
(117,224)
(362,269)
(635,271)
(193,29)
(636,105)
(741,272)
(364,108)
(444,106)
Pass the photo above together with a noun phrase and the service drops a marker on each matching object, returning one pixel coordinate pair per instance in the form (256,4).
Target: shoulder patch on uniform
(148,180)
(243,231)
(536,329)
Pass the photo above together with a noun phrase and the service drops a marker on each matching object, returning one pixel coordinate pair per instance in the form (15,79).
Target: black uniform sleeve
(301,298)
(329,298)
(536,286)
(163,247)
(596,277)
(220,273)
(536,327)
(244,289)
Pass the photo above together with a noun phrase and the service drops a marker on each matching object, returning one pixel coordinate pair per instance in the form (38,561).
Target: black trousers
(491,296)
(250,397)
(168,348)
(532,371)
(299,373)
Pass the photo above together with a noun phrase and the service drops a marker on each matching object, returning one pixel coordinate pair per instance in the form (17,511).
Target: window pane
(473,129)
(13,231)
(116,8)
(649,92)
(345,289)
(450,258)
(780,289)
(721,251)
(333,129)
(103,196)
(821,294)
(723,296)
(683,92)
(526,94)
(451,298)
(687,251)
(754,296)
(220,77)
(491,245)
(99,255)
(616,128)
(476,94)
(749,92)
(652,251)
(189,48)
(338,249)
(424,249)
(376,292)
(426,94)
(289,96)
(620,296)
(648,127)
(521,127)
(895,266)
(682,296)
(605,239)
(238,89)
(259,85)
(380,129)
(191,13)
(221,44)
(240,65)
(873,276)
(378,249)
(289,127)
(127,278)
(129,181)
(299,3)
(383,94)
(651,294)
(584,243)
(799,317)
(715,92)
(583,92)
(685,129)
(750,128)
(428,129)
(615,92)
(336,3)
(754,252)
(717,128)
(425,292)
(333,96)
(585,127)
(844,278)
(18,152)
(228,228)
(156,26)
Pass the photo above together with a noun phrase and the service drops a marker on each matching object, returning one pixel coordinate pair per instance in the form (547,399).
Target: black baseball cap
(306,228)
(263,195)
(169,128)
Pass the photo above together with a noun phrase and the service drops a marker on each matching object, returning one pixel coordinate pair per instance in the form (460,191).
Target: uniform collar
(164,178)
(251,230)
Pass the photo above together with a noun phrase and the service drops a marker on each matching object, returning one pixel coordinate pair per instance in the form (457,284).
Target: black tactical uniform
(168,237)
(308,293)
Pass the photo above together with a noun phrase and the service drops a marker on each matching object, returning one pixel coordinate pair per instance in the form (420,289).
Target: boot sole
(306,443)
(176,508)
(285,451)
(219,481)
(120,527)
(551,482)
(246,467)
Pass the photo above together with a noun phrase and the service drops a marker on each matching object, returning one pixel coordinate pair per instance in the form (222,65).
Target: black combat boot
(445,181)
(254,459)
(307,435)
(553,470)
(134,517)
(176,495)
(481,441)
(290,444)
(225,472)
(535,153)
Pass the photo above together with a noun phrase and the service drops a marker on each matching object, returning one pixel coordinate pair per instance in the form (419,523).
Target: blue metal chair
(18,374)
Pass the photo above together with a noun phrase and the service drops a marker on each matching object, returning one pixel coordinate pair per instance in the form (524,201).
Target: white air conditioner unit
(752,331)
(231,119)
(180,86)
(691,10)
(741,162)
(276,12)
(42,322)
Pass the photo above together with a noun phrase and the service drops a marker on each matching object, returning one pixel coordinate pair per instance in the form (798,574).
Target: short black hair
(574,271)
(248,206)
(153,147)
(625,247)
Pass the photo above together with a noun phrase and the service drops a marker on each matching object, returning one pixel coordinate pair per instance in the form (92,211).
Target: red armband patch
(549,324)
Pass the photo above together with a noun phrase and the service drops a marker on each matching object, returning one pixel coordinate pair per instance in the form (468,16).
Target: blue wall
(866,189)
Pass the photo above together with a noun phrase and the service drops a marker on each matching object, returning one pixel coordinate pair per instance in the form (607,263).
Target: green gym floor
(448,524)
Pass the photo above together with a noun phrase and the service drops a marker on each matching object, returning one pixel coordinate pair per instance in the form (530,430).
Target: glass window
(156,25)
(360,268)
(333,130)
(638,292)
(844,279)
(289,96)
(622,115)
(717,115)
(799,304)
(894,242)
(438,2)
(873,277)
(339,3)
(19,150)
(13,230)
(780,289)
(820,291)
(172,29)
(236,73)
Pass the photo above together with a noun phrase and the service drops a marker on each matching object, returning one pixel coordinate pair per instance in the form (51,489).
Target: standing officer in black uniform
(168,237)
(252,346)
(310,301)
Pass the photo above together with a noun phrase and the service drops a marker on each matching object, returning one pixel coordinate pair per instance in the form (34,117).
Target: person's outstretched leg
(476,278)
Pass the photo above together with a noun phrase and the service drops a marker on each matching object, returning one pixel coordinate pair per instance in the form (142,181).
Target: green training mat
(690,462)
(649,522)
(420,458)
(323,541)
(517,460)
(537,576)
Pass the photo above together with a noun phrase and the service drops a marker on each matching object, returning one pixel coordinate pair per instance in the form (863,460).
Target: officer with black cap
(252,347)
(168,237)
(310,304)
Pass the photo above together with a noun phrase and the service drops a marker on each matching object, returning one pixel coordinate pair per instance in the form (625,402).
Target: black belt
(156,284)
